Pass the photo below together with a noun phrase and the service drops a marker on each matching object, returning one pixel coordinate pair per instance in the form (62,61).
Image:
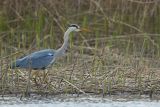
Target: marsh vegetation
(121,53)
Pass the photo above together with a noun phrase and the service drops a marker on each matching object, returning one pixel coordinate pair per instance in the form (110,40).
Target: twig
(75,87)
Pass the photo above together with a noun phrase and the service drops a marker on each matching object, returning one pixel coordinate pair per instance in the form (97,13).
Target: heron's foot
(41,79)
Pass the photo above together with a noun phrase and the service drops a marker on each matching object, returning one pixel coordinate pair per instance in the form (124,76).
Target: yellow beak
(85,30)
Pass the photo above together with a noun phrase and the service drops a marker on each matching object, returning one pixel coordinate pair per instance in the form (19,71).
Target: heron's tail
(14,64)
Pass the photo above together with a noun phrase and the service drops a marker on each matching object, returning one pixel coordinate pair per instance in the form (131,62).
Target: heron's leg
(35,74)
(36,77)
(45,75)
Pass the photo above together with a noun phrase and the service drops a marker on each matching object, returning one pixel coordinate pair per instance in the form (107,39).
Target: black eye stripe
(73,25)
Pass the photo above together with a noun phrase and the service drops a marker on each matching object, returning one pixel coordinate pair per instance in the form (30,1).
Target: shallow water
(74,101)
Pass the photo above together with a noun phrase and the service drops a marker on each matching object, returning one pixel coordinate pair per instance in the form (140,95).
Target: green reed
(131,32)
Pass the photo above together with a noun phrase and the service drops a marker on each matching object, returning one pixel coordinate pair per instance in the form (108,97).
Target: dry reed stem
(121,54)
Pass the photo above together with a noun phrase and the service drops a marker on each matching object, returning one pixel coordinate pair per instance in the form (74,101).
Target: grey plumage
(44,58)
(37,60)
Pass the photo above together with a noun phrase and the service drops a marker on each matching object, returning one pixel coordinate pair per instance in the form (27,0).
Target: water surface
(74,101)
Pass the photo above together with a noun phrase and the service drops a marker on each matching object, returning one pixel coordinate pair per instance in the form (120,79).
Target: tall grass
(121,53)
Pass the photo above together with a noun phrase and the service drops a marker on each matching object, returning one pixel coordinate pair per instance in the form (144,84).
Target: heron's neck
(63,48)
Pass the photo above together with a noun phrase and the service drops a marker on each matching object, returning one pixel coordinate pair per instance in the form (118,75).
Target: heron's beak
(85,30)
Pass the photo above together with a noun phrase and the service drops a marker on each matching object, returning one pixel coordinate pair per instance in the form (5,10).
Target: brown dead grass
(102,73)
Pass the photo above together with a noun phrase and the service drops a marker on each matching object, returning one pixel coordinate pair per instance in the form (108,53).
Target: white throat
(63,48)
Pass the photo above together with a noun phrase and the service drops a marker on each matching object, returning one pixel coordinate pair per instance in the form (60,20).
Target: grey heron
(44,58)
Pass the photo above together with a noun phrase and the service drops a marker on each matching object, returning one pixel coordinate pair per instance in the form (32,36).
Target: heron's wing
(37,60)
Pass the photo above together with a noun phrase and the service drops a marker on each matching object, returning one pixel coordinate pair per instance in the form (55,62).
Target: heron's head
(74,27)
(77,28)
